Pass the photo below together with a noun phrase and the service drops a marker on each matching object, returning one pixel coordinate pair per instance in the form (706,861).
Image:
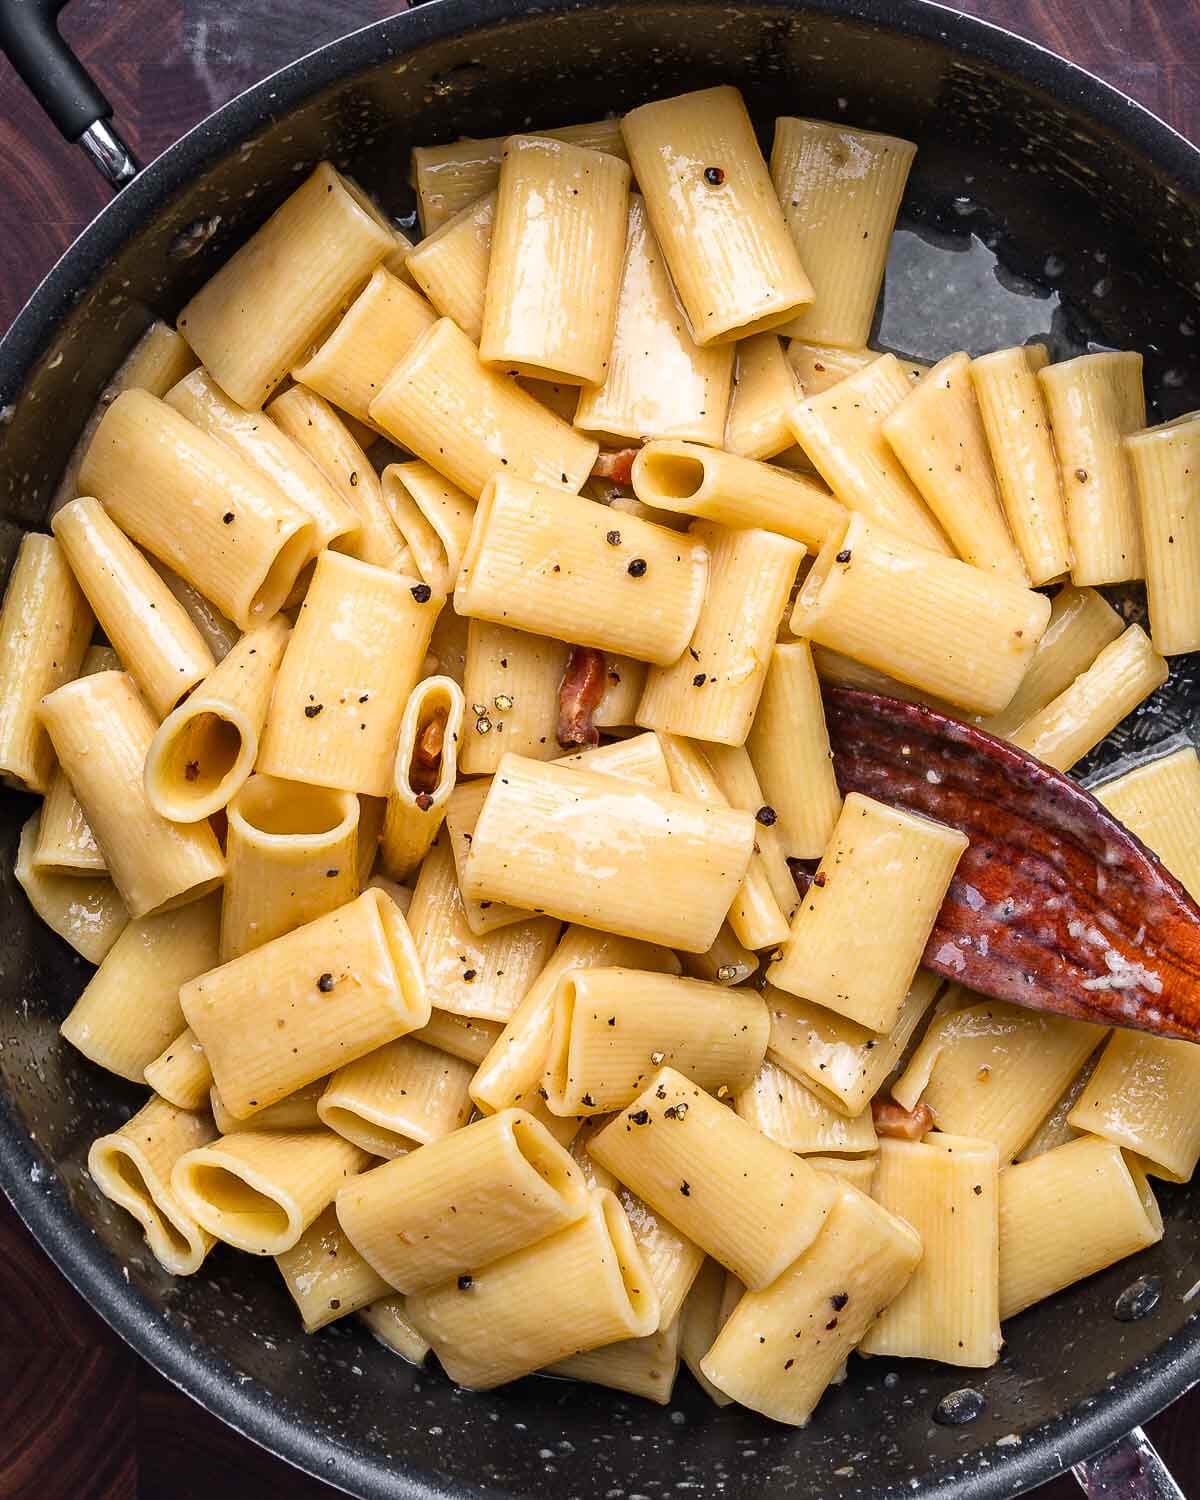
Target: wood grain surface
(81,1417)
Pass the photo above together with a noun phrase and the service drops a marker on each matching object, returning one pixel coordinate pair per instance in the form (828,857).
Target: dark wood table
(81,1417)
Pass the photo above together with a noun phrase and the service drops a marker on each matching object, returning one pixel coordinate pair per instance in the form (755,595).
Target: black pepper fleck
(228,518)
(465,1283)
(613,538)
(325,983)
(714,176)
(312,710)
(766,816)
(844,555)
(637,567)
(422,593)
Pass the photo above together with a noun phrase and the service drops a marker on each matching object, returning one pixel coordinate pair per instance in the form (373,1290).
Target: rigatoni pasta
(1160,802)
(101,730)
(715,214)
(885,873)
(786,1110)
(1164,461)
(133,1167)
(403,1095)
(711,692)
(203,751)
(313,425)
(1094,401)
(180,1073)
(511,1073)
(938,435)
(840,189)
(45,626)
(1143,1096)
(129,1010)
(735,490)
(423,777)
(85,911)
(341,986)
(1082,623)
(947,1188)
(745,1200)
(951,629)
(433,518)
(291,856)
(764,390)
(326,1276)
(840,430)
(469,421)
(659,383)
(543,560)
(576,1290)
(447,178)
(484,976)
(432,1214)
(317,1015)
(351,662)
(783,1344)
(152,635)
(667,873)
(1017,425)
(613,1028)
(379,327)
(254,436)
(450,265)
(1067,1214)
(789,749)
(1122,675)
(558,241)
(244,542)
(260,1190)
(252,321)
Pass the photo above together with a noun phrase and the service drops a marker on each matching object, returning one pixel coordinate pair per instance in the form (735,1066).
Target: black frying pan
(1042,203)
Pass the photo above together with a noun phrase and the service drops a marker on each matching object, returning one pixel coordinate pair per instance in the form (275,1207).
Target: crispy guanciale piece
(427,754)
(579,695)
(616,466)
(892,1119)
(1055,905)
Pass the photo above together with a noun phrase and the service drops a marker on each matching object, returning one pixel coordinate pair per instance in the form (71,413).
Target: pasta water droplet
(959,1407)
(1138,1300)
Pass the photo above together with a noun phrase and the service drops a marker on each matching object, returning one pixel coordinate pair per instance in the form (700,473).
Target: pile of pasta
(431,815)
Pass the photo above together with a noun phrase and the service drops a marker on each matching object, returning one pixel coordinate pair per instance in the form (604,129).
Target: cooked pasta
(506,910)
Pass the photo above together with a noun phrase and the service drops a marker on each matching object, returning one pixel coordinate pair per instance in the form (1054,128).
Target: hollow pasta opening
(199,757)
(826,560)
(397,937)
(133,1180)
(673,476)
(426,759)
(231,1197)
(559,1054)
(282,573)
(288,809)
(378,1139)
(639,1288)
(1145,1194)
(548,1159)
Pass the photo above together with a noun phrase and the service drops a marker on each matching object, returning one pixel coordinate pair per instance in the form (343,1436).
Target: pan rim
(44,1206)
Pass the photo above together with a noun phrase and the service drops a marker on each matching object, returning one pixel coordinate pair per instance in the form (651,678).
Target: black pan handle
(29,37)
